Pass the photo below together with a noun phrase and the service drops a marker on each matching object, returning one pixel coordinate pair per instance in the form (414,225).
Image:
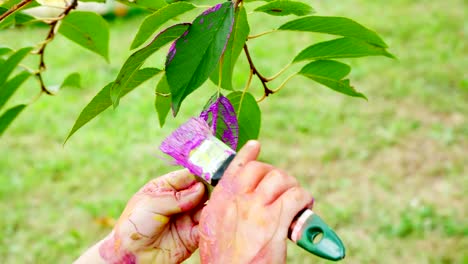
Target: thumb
(170,202)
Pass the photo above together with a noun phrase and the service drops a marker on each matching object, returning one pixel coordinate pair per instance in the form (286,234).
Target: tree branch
(50,36)
(14,8)
(262,78)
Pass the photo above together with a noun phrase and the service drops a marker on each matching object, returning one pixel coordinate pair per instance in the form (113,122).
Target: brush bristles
(184,139)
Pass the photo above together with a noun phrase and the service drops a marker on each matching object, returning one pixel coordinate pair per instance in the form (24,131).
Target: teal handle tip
(318,238)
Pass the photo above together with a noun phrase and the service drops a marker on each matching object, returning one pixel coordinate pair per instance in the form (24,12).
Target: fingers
(248,153)
(292,202)
(187,231)
(179,180)
(252,175)
(274,184)
(174,202)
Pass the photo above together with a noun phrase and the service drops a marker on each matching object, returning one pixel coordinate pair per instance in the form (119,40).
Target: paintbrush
(194,146)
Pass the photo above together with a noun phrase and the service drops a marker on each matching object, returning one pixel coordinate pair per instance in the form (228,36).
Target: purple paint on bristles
(185,139)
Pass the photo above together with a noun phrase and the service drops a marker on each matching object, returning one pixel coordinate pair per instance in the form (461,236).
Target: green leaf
(9,116)
(248,116)
(341,48)
(162,102)
(102,100)
(11,86)
(88,30)
(5,50)
(94,1)
(10,64)
(22,18)
(72,80)
(152,5)
(284,8)
(237,39)
(8,21)
(194,56)
(136,60)
(155,20)
(330,73)
(335,26)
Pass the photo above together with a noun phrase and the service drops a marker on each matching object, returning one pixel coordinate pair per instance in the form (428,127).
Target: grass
(389,174)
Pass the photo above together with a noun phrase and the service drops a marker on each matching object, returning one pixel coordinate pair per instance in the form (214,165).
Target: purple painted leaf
(193,57)
(221,117)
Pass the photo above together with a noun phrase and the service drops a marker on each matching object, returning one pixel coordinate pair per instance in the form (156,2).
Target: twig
(263,79)
(48,39)
(14,8)
(261,34)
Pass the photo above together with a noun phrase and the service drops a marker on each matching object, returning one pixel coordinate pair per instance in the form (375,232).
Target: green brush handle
(307,227)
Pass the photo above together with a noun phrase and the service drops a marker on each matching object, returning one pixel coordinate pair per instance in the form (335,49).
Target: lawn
(389,174)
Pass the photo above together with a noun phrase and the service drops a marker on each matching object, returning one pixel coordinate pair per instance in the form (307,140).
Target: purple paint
(228,37)
(185,139)
(171,53)
(221,110)
(212,9)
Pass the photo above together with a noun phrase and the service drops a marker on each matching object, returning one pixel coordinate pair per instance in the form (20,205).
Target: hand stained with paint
(159,224)
(249,212)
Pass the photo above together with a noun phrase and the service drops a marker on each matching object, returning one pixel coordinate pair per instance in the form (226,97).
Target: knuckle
(253,165)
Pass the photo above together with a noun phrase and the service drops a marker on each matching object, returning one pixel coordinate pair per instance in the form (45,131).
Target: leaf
(22,18)
(285,7)
(155,20)
(5,50)
(72,80)
(8,21)
(152,5)
(10,64)
(340,48)
(335,26)
(94,1)
(195,55)
(330,73)
(88,30)
(248,116)
(136,60)
(237,39)
(11,86)
(221,116)
(9,115)
(102,100)
(162,102)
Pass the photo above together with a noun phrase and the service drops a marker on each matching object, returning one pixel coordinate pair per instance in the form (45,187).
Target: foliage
(206,48)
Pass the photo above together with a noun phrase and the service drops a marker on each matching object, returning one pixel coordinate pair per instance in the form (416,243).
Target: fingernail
(252,143)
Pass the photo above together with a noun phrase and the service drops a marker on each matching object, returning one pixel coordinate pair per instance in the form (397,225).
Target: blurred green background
(389,174)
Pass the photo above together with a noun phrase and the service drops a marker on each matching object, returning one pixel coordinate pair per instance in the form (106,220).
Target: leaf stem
(14,8)
(279,73)
(246,87)
(254,70)
(261,34)
(162,94)
(284,82)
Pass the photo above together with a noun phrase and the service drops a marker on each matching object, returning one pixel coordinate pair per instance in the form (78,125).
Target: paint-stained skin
(159,224)
(249,213)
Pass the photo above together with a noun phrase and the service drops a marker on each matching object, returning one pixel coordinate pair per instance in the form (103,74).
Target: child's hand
(158,225)
(249,212)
